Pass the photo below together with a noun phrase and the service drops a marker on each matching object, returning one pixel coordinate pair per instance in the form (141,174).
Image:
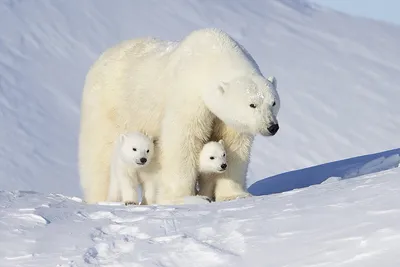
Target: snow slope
(338,78)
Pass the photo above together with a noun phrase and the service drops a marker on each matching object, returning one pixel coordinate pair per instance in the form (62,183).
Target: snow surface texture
(337,147)
(354,222)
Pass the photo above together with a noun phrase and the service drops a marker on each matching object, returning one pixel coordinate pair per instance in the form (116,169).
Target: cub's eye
(223,155)
(134,149)
(211,157)
(273,103)
(148,151)
(253,106)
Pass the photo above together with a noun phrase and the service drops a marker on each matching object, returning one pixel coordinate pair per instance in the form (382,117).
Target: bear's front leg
(114,190)
(207,186)
(185,129)
(129,184)
(232,183)
(149,191)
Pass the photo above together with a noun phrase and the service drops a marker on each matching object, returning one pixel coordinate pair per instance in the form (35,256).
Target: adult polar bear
(205,87)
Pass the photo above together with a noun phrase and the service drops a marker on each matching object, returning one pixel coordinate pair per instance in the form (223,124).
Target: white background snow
(338,79)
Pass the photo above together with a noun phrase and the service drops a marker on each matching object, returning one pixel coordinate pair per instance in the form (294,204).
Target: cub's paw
(233,197)
(128,203)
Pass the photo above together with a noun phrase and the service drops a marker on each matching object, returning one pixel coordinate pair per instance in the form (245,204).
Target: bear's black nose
(273,128)
(223,166)
(143,160)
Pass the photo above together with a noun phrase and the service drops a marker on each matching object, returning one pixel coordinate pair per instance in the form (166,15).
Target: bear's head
(213,158)
(136,149)
(249,104)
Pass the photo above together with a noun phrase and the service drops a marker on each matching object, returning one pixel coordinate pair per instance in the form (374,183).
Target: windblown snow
(326,186)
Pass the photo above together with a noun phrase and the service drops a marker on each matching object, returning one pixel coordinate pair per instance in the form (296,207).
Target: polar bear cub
(132,152)
(213,158)
(212,161)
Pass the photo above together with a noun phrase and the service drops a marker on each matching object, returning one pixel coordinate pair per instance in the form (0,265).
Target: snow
(326,185)
(351,222)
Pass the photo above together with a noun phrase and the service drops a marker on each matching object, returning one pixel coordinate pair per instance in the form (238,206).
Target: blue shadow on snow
(343,169)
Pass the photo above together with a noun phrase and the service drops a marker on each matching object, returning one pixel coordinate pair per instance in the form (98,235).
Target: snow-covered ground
(338,78)
(353,222)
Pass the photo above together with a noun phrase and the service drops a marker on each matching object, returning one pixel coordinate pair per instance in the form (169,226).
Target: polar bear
(204,88)
(132,152)
(212,161)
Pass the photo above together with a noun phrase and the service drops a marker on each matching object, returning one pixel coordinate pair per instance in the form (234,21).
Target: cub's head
(249,104)
(136,148)
(213,158)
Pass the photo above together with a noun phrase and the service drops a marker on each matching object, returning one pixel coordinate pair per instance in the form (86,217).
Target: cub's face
(247,104)
(136,149)
(213,158)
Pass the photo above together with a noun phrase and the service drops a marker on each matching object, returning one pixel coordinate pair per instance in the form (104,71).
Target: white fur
(212,157)
(212,160)
(132,152)
(185,94)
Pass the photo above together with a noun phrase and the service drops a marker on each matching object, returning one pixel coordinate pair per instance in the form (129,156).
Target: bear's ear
(221,142)
(273,80)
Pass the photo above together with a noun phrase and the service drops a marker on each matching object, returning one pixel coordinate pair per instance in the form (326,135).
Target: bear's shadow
(342,169)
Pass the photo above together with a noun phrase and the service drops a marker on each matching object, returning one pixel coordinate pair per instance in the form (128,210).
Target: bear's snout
(269,130)
(273,129)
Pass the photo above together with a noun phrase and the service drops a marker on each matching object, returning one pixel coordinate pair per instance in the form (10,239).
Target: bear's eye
(148,151)
(273,103)
(211,157)
(223,155)
(253,106)
(134,149)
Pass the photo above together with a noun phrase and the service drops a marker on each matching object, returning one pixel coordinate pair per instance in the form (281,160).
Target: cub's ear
(221,142)
(155,140)
(221,88)
(274,81)
(122,138)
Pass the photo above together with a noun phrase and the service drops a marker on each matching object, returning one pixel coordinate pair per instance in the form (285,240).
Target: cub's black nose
(143,160)
(273,128)
(223,166)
